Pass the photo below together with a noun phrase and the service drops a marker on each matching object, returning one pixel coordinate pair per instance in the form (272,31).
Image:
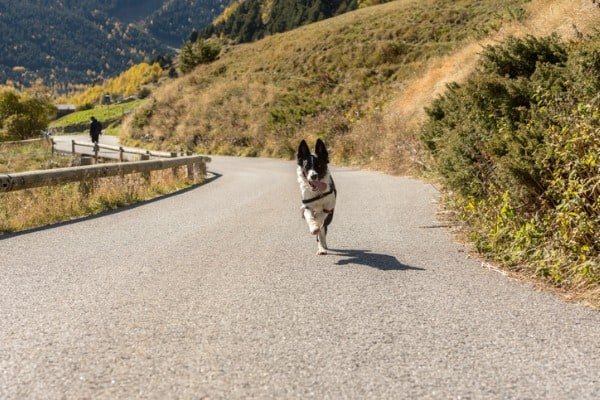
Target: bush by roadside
(518,145)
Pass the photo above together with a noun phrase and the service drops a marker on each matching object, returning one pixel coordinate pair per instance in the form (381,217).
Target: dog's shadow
(382,262)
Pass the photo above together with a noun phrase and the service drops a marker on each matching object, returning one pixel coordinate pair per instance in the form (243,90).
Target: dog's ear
(321,151)
(303,152)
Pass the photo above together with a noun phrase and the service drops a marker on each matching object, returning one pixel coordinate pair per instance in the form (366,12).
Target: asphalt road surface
(217,292)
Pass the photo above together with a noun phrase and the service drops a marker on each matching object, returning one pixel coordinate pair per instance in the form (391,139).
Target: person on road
(95,130)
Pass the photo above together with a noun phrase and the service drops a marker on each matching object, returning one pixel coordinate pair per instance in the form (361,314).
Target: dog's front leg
(313,225)
(322,243)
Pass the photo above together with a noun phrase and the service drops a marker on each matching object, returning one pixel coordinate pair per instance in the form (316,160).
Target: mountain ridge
(250,20)
(85,41)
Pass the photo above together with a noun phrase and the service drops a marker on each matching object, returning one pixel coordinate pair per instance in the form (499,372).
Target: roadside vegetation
(329,79)
(32,208)
(518,147)
(23,115)
(30,156)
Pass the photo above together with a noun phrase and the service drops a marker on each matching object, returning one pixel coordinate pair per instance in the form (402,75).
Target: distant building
(64,109)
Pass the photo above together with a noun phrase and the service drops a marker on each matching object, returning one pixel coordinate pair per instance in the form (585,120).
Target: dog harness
(321,196)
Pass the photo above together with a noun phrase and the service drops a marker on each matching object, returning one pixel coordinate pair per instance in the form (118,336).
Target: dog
(318,191)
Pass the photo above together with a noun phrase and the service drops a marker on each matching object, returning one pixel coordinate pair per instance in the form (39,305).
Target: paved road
(217,293)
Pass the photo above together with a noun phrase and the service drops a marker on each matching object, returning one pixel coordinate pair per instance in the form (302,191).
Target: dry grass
(569,18)
(331,80)
(42,206)
(28,157)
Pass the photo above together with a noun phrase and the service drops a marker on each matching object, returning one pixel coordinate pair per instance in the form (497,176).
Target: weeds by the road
(46,205)
(30,156)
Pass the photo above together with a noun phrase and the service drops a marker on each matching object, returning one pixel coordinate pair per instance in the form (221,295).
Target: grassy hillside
(110,116)
(330,80)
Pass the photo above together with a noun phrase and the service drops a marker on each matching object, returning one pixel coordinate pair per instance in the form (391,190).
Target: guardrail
(117,149)
(24,141)
(196,166)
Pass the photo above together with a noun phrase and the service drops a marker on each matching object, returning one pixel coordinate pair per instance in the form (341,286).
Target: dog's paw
(321,252)
(315,230)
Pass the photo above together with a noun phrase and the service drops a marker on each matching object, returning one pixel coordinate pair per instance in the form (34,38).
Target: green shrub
(519,146)
(199,52)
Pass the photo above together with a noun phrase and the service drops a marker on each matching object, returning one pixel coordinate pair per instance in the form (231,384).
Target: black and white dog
(317,189)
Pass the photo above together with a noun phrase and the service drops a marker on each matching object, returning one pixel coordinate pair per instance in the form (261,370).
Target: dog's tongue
(320,186)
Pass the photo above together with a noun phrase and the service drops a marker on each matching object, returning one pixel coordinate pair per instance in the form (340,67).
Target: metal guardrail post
(73,146)
(96,150)
(121,154)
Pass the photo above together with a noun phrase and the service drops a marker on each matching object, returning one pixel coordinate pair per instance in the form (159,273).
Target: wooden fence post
(73,146)
(146,175)
(191,172)
(86,186)
(121,154)
(174,169)
(96,150)
(52,143)
(202,169)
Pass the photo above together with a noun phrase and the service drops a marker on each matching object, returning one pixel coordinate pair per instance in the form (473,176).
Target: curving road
(216,292)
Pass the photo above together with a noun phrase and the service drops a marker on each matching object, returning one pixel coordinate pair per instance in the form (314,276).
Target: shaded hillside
(249,20)
(326,79)
(83,41)
(173,22)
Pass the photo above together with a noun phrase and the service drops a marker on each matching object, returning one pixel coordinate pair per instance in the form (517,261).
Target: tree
(23,116)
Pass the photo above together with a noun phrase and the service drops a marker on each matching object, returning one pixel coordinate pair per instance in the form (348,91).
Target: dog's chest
(317,205)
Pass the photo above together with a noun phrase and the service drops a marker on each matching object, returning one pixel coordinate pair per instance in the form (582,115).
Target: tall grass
(47,205)
(31,156)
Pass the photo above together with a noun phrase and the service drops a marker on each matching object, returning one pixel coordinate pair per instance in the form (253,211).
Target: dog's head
(313,166)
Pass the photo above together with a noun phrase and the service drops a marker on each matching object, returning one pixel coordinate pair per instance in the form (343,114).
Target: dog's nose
(313,176)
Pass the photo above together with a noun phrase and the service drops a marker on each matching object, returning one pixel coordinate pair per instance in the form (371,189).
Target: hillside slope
(324,79)
(404,114)
(569,18)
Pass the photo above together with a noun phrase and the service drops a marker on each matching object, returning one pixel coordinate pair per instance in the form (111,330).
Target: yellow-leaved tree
(127,83)
(22,115)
